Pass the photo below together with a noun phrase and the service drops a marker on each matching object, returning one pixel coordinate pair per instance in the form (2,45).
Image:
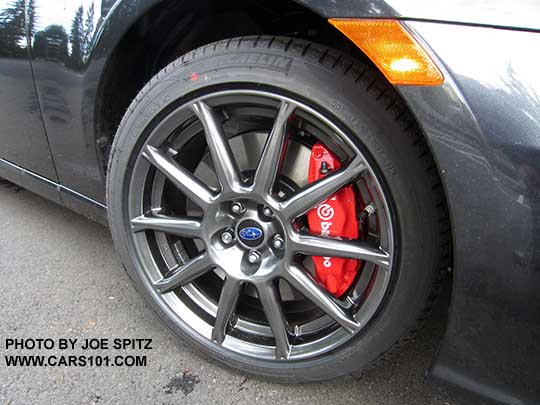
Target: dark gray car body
(482,124)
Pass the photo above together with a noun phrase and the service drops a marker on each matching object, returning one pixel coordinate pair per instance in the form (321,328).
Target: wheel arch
(123,68)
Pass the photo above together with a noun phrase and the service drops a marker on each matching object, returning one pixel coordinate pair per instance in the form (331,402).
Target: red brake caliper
(335,217)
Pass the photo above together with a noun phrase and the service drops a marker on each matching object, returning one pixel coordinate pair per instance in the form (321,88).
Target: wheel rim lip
(171,304)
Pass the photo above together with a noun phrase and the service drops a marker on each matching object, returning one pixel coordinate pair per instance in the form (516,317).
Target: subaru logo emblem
(250,233)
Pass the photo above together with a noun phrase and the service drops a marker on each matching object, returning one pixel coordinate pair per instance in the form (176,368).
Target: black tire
(358,99)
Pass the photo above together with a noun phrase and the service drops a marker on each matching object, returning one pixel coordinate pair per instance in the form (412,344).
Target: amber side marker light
(393,50)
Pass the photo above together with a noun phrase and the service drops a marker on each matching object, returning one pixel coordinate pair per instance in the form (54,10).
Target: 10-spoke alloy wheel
(244,202)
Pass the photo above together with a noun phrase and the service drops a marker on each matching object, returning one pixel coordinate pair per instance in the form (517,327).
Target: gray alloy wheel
(237,199)
(208,196)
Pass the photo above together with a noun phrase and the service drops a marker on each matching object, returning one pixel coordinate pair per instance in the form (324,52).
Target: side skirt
(53,191)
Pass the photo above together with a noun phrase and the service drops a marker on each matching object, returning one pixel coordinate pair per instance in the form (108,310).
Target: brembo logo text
(325,212)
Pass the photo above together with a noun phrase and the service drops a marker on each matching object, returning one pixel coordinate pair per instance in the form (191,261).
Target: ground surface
(60,278)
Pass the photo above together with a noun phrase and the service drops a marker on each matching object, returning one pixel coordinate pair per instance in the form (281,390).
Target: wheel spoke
(220,150)
(320,246)
(185,274)
(226,307)
(185,227)
(307,286)
(271,303)
(193,188)
(273,152)
(314,193)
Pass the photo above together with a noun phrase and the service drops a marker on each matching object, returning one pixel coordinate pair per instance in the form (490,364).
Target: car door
(23,141)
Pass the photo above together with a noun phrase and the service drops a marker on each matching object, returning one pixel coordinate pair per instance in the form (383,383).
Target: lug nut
(237,208)
(278,242)
(254,257)
(227,237)
(268,212)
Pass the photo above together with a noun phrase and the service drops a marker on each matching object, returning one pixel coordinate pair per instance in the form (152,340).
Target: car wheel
(209,198)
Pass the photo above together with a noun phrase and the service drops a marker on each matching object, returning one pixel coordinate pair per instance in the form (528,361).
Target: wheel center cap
(250,233)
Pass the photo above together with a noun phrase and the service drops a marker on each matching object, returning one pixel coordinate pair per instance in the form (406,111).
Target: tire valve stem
(368,211)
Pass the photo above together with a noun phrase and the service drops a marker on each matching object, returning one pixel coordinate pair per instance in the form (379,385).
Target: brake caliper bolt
(278,242)
(237,208)
(268,212)
(254,257)
(227,237)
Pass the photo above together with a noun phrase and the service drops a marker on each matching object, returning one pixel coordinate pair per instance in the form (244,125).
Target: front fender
(483,126)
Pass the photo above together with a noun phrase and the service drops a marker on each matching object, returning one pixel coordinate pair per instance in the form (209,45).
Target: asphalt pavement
(60,278)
